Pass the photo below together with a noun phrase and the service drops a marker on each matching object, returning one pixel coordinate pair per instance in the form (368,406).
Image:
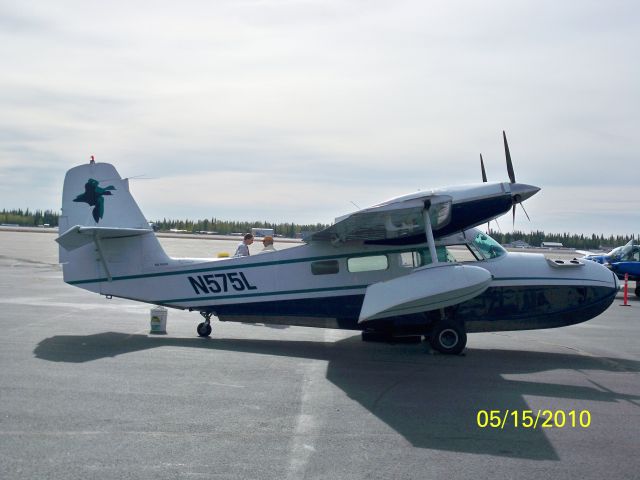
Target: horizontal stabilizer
(427,288)
(78,235)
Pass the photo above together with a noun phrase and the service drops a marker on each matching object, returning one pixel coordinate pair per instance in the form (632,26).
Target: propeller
(484,174)
(520,192)
(512,175)
(517,199)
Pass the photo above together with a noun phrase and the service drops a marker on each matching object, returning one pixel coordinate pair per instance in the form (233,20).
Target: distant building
(551,245)
(517,244)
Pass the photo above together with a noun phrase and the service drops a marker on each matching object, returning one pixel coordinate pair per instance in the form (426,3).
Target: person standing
(243,247)
(267,242)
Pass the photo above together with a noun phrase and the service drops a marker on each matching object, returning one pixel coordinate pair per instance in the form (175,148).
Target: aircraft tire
(204,329)
(448,337)
(637,292)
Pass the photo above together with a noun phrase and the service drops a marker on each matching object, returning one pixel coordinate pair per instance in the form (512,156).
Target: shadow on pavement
(431,400)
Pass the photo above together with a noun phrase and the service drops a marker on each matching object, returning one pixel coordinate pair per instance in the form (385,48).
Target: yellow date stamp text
(533,419)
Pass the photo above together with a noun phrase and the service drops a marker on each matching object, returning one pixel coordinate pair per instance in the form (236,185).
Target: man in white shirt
(243,247)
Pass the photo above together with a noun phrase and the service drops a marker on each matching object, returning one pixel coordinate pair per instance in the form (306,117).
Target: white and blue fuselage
(323,286)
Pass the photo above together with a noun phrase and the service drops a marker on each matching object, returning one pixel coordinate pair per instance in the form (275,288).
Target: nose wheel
(204,328)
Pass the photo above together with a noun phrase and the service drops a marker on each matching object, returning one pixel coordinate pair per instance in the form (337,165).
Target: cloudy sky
(291,110)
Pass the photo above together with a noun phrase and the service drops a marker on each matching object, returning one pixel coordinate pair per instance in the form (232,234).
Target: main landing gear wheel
(638,288)
(204,328)
(448,337)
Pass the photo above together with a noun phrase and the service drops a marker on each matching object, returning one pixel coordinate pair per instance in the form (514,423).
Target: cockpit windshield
(472,245)
(625,253)
(487,246)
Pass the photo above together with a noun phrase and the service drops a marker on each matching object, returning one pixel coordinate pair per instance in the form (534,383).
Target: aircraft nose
(521,191)
(601,274)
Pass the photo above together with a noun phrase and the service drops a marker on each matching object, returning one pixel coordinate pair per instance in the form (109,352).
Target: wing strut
(429,232)
(98,242)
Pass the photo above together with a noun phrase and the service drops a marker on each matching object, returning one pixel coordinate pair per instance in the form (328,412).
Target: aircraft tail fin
(103,233)
(95,195)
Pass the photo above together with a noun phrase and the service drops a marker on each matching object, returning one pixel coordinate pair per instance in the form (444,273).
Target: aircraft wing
(451,209)
(397,218)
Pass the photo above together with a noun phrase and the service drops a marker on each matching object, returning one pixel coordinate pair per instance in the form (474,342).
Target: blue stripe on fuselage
(497,309)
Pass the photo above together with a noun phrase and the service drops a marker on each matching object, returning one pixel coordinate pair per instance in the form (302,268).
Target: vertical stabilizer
(95,195)
(103,233)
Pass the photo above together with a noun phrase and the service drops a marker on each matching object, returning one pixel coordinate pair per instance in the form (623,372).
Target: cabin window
(325,267)
(410,259)
(367,264)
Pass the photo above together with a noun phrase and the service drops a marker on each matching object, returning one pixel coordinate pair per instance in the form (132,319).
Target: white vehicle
(387,268)
(262,232)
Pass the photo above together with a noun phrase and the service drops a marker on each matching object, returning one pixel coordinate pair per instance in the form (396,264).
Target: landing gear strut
(204,328)
(448,337)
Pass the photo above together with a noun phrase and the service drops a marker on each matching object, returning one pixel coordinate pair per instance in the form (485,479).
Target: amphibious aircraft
(391,269)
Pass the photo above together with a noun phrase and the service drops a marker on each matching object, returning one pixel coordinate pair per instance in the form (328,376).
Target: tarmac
(87,392)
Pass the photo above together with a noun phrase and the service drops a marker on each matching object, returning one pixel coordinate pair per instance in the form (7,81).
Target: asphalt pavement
(87,392)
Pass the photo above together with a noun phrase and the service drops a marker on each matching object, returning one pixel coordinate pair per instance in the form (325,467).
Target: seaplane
(414,265)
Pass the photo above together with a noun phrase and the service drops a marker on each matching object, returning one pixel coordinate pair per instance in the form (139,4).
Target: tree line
(570,240)
(28,218)
(225,227)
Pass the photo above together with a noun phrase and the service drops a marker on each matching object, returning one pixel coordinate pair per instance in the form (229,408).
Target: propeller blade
(525,212)
(484,174)
(512,175)
(513,212)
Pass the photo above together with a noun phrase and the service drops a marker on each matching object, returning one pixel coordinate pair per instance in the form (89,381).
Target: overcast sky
(291,110)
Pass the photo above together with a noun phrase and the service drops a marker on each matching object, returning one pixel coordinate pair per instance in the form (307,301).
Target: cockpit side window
(411,259)
(442,252)
(465,253)
(630,254)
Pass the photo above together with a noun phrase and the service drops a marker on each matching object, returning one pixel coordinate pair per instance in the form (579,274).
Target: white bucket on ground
(158,320)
